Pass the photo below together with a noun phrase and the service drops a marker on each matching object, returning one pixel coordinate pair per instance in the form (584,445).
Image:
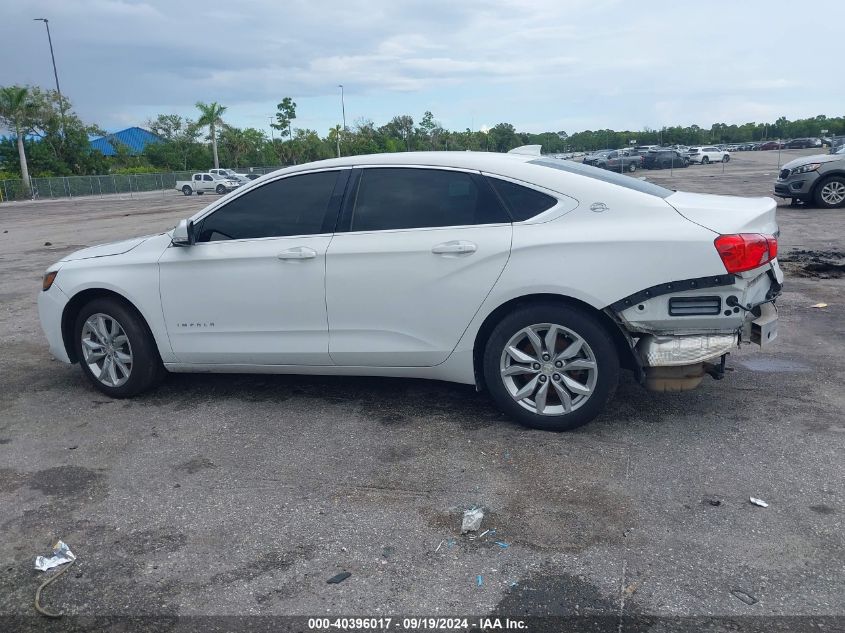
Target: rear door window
(390,198)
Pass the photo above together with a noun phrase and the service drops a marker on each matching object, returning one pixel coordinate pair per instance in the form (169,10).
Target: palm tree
(210,114)
(15,109)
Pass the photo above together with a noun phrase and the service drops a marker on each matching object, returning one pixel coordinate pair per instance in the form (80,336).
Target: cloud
(540,64)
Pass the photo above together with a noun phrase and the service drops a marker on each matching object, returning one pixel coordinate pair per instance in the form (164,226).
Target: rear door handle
(455,247)
(298,252)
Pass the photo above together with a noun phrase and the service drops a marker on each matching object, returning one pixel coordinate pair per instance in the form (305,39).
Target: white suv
(709,154)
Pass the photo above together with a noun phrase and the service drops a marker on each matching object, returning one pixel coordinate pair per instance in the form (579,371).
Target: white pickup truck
(200,183)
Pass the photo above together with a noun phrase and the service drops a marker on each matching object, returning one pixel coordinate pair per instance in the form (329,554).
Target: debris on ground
(61,555)
(334,580)
(48,243)
(819,305)
(438,547)
(472,520)
(630,589)
(502,544)
(758,502)
(713,501)
(747,598)
(479,580)
(817,264)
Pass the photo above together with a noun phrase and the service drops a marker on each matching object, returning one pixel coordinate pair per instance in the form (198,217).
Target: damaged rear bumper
(679,328)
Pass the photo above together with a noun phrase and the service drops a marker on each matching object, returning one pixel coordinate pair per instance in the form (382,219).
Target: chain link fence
(78,186)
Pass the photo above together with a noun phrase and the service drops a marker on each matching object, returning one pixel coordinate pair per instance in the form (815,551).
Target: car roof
(481,161)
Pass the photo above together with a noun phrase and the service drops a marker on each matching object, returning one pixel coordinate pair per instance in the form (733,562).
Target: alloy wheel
(106,350)
(548,369)
(833,192)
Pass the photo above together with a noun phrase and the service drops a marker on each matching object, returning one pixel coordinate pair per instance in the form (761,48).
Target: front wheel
(725,158)
(115,348)
(186,190)
(550,366)
(705,160)
(220,189)
(632,167)
(830,192)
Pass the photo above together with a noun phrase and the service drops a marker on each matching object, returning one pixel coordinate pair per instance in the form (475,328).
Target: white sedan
(534,278)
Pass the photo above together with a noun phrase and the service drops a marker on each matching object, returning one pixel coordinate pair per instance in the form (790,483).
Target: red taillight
(746,251)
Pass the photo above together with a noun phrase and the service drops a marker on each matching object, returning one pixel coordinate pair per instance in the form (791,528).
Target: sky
(542,65)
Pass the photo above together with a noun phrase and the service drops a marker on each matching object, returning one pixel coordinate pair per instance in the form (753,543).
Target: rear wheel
(632,167)
(830,192)
(705,160)
(550,366)
(199,193)
(725,158)
(115,348)
(186,190)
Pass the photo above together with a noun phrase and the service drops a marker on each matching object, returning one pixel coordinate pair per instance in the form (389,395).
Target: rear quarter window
(522,202)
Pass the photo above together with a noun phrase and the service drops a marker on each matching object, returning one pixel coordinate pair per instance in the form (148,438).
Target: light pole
(343,110)
(342,106)
(55,72)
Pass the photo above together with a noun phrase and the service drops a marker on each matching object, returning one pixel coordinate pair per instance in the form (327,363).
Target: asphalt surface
(241,495)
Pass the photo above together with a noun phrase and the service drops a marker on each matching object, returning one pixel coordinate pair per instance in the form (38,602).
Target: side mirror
(183,234)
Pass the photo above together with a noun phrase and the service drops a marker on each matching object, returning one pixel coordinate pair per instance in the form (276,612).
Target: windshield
(604,175)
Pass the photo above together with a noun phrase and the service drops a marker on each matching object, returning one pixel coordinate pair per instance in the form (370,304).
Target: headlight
(49,278)
(803,169)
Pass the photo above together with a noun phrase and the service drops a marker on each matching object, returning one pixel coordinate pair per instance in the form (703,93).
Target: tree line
(46,137)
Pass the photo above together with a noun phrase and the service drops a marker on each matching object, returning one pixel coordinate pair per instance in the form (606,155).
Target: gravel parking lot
(225,495)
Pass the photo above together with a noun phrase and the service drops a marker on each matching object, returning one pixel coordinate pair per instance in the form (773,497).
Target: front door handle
(455,247)
(298,252)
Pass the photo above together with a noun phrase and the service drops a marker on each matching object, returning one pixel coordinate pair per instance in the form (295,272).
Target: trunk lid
(727,214)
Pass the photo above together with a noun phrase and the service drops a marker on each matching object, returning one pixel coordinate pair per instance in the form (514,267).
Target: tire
(597,354)
(187,190)
(830,192)
(726,158)
(199,193)
(632,167)
(664,164)
(220,189)
(100,323)
(705,160)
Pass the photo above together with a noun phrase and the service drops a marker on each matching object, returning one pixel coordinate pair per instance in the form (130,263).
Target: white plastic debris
(61,555)
(758,502)
(472,520)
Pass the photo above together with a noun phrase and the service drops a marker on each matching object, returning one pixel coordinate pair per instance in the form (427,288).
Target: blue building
(134,138)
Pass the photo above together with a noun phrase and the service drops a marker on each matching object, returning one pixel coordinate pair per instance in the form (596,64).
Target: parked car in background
(289,275)
(615,160)
(597,156)
(768,145)
(665,159)
(225,173)
(836,142)
(708,154)
(206,182)
(819,178)
(252,176)
(803,143)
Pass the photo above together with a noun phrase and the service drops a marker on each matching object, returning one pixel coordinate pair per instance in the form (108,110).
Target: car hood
(727,214)
(815,158)
(104,250)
